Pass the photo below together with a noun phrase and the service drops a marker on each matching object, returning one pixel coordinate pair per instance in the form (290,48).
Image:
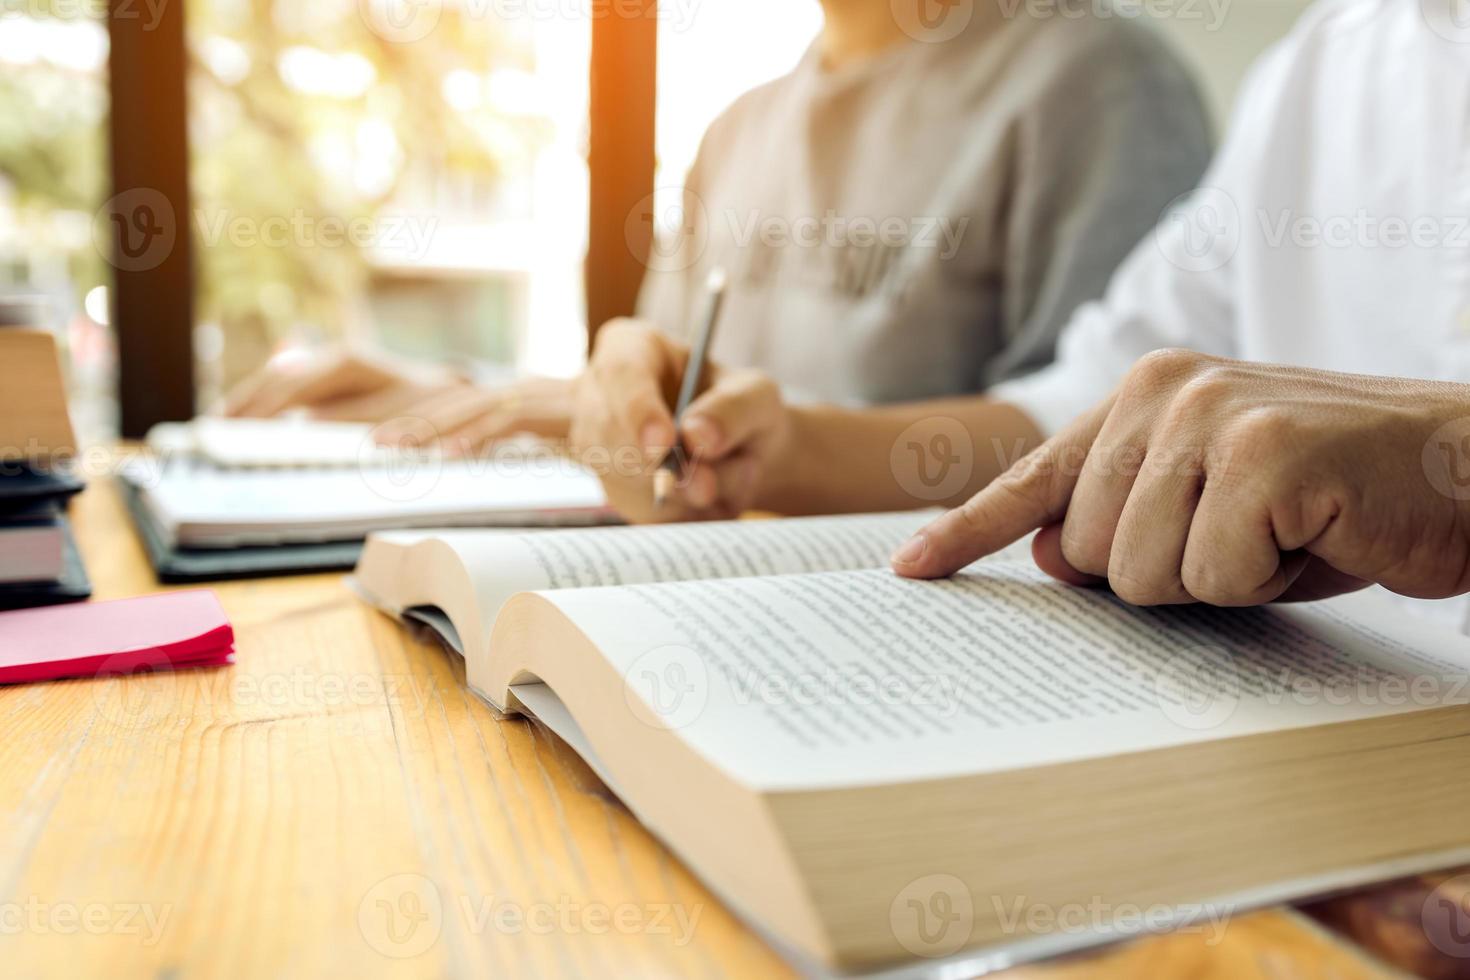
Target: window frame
(153,307)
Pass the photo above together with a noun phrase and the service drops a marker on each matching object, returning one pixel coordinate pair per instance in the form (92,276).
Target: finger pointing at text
(1230,483)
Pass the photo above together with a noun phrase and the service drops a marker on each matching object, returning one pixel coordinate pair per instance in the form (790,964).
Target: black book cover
(23,486)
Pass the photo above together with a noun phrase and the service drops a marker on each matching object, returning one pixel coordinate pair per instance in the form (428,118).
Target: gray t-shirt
(923,223)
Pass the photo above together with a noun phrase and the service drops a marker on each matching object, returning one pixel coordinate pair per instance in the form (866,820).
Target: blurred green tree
(299,114)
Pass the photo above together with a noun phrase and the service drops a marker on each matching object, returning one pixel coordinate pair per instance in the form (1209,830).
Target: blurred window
(53,179)
(709,54)
(408,175)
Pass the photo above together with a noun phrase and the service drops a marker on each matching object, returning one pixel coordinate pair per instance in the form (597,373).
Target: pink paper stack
(157,632)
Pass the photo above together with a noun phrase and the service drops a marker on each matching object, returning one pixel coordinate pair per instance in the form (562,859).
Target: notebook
(176,629)
(880,772)
(202,506)
(300,496)
(253,443)
(177,565)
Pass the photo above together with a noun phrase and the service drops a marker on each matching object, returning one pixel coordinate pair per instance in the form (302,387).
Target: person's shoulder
(1326,19)
(751,107)
(1094,43)
(1085,59)
(755,101)
(1329,38)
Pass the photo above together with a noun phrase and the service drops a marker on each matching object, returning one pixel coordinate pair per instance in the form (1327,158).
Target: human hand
(336,386)
(464,419)
(734,432)
(1230,483)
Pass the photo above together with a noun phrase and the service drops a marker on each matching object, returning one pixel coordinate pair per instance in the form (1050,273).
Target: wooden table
(337,804)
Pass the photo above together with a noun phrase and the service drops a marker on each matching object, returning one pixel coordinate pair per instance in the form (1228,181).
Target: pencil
(670,469)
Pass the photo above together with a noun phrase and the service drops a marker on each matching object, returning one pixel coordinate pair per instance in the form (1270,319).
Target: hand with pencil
(673,436)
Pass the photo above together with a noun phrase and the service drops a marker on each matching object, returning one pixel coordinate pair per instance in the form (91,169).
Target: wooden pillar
(147,220)
(620,155)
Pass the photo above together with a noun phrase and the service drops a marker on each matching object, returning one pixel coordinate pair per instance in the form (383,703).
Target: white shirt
(1332,231)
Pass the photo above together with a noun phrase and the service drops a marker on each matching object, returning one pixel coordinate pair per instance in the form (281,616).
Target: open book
(875,770)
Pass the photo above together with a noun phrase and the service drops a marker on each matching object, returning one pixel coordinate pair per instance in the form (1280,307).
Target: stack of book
(39,562)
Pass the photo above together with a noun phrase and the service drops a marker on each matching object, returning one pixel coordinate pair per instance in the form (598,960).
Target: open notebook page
(862,677)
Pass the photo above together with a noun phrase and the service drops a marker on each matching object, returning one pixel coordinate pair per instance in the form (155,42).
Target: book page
(863,677)
(717,550)
(501,563)
(397,575)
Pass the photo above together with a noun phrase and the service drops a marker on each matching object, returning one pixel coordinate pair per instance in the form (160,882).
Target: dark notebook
(43,513)
(174,564)
(23,487)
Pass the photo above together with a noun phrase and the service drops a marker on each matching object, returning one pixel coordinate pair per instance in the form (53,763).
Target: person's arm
(895,457)
(1234,484)
(1119,134)
(410,404)
(341,386)
(753,450)
(749,449)
(1175,289)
